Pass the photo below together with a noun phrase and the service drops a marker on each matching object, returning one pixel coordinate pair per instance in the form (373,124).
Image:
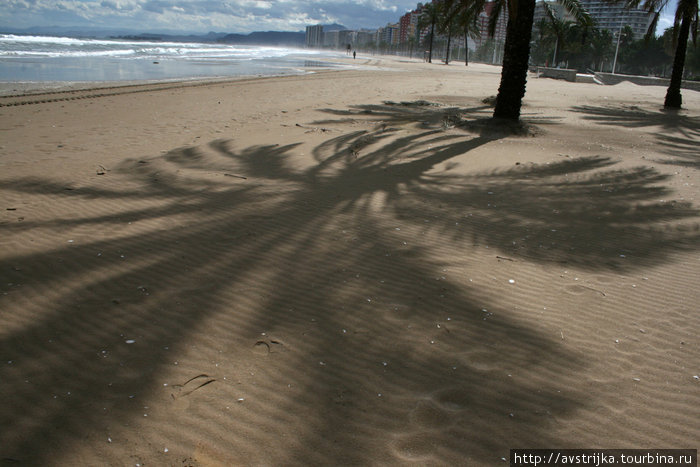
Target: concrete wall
(609,78)
(556,73)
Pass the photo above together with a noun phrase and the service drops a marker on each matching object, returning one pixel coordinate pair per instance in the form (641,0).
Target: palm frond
(677,20)
(652,27)
(495,16)
(579,13)
(548,12)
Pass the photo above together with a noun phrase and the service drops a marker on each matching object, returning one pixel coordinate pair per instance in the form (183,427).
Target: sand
(346,267)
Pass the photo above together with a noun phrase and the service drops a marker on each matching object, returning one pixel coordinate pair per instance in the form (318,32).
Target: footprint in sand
(428,414)
(455,399)
(416,446)
(267,347)
(399,312)
(435,418)
(575,289)
(604,279)
(191,385)
(580,289)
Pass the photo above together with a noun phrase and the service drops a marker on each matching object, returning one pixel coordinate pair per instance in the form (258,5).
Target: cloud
(202,15)
(664,23)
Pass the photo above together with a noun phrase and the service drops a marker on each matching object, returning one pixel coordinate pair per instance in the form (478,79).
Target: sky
(202,16)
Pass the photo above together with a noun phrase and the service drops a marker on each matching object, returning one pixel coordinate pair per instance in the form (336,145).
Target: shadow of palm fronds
(227,250)
(677,132)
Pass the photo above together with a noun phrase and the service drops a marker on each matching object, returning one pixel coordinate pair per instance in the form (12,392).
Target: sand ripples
(375,308)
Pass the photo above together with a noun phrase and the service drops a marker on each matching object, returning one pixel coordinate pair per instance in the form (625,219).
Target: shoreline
(20,89)
(104,61)
(25,88)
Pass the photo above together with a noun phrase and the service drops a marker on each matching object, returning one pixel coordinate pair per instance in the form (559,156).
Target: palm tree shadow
(429,115)
(578,211)
(385,351)
(678,132)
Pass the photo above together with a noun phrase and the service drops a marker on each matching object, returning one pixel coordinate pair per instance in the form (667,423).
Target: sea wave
(40,46)
(46,58)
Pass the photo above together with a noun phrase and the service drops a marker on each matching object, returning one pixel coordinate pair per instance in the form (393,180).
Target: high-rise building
(499,35)
(613,17)
(408,24)
(391,34)
(365,37)
(331,39)
(314,36)
(557,9)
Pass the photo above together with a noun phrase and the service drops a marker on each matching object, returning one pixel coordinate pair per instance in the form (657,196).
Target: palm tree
(463,19)
(447,25)
(558,27)
(685,21)
(601,47)
(411,45)
(516,55)
(517,47)
(429,16)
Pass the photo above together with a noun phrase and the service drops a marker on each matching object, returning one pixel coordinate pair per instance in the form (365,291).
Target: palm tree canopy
(472,8)
(687,9)
(685,25)
(516,50)
(429,14)
(463,16)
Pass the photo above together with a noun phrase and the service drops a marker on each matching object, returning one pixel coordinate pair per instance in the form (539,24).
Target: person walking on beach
(354,54)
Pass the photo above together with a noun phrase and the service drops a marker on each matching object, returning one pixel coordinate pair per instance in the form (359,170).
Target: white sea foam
(40,58)
(35,46)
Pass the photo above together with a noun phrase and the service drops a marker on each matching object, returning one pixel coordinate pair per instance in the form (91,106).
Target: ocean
(63,59)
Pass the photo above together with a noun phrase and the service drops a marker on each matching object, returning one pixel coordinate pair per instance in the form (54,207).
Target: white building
(314,36)
(613,16)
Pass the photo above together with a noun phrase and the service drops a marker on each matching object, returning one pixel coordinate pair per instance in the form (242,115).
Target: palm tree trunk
(515,61)
(430,51)
(673,94)
(466,47)
(447,53)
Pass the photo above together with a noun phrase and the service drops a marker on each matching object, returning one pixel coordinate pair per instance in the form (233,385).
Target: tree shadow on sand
(678,133)
(380,352)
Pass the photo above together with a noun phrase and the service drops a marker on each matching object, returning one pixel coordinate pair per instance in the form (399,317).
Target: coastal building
(365,36)
(331,39)
(408,24)
(314,36)
(483,22)
(378,36)
(605,14)
(391,34)
(614,17)
(557,9)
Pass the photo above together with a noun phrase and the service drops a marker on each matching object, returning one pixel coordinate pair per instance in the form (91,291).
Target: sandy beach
(346,268)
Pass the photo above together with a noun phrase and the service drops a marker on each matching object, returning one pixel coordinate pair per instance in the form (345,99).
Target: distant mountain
(266,38)
(94,33)
(254,38)
(210,37)
(66,31)
(333,27)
